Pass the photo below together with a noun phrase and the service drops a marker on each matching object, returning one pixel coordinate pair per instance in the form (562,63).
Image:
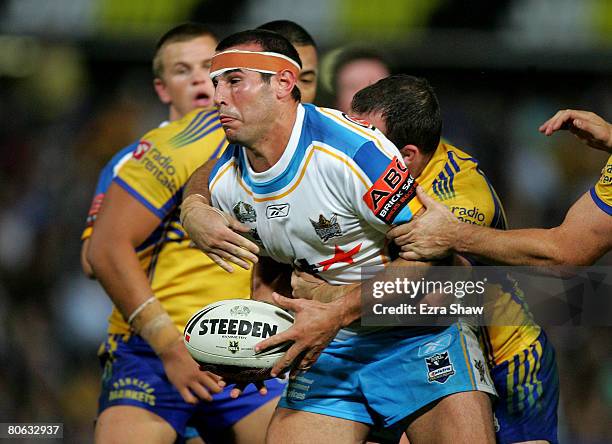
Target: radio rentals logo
(141,149)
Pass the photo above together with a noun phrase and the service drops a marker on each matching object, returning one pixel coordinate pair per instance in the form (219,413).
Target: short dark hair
(409,107)
(293,32)
(181,33)
(350,54)
(269,41)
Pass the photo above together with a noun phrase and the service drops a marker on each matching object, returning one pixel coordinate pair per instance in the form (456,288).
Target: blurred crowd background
(76,86)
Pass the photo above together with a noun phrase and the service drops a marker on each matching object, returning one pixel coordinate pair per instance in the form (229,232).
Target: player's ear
(286,80)
(410,153)
(162,91)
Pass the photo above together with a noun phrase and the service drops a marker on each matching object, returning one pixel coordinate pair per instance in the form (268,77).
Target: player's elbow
(98,253)
(85,265)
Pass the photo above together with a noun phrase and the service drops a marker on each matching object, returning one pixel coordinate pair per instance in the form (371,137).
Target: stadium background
(75,86)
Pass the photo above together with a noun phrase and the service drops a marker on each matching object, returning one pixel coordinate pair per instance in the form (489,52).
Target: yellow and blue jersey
(454,178)
(181,276)
(602,190)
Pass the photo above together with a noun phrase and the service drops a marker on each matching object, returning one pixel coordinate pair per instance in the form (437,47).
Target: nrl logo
(439,368)
(233,347)
(327,228)
(244,212)
(240,310)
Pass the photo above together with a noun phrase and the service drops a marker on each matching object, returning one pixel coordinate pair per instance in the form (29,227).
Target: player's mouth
(225,119)
(202,100)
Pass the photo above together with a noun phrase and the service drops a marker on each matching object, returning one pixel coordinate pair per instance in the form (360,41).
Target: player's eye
(234,80)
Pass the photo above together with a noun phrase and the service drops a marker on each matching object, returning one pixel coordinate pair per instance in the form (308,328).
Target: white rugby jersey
(326,205)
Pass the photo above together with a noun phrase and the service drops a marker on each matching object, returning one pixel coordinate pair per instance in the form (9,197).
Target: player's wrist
(348,311)
(151,321)
(190,202)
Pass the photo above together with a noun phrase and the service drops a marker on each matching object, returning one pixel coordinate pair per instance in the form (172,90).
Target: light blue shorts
(381,378)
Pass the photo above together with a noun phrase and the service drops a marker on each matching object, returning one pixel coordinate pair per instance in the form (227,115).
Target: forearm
(512,247)
(198,182)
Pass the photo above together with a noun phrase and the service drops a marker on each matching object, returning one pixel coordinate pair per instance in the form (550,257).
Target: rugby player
(143,258)
(210,233)
(353,69)
(406,110)
(584,236)
(281,153)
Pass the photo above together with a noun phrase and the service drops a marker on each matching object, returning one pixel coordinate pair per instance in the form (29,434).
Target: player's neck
(268,149)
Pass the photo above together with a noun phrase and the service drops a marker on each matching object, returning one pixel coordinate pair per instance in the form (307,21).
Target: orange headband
(264,62)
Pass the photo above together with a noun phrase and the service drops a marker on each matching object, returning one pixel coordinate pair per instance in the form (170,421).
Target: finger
(401,230)
(306,362)
(261,387)
(410,255)
(220,262)
(285,361)
(188,396)
(238,389)
(286,303)
(554,123)
(200,391)
(241,240)
(425,198)
(218,379)
(238,251)
(229,257)
(209,383)
(275,340)
(403,239)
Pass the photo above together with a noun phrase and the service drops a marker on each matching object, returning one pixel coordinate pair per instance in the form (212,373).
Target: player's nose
(219,97)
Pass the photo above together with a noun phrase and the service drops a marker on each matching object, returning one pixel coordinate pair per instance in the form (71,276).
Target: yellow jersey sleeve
(453,178)
(163,160)
(602,191)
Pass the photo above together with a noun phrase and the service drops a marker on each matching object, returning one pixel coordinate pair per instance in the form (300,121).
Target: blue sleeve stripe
(199,135)
(107,173)
(174,201)
(201,132)
(216,152)
(371,160)
(436,189)
(453,162)
(180,140)
(600,203)
(405,215)
(451,176)
(199,117)
(227,155)
(200,120)
(157,212)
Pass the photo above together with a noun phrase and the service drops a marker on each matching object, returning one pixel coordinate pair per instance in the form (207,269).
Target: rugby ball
(222,336)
